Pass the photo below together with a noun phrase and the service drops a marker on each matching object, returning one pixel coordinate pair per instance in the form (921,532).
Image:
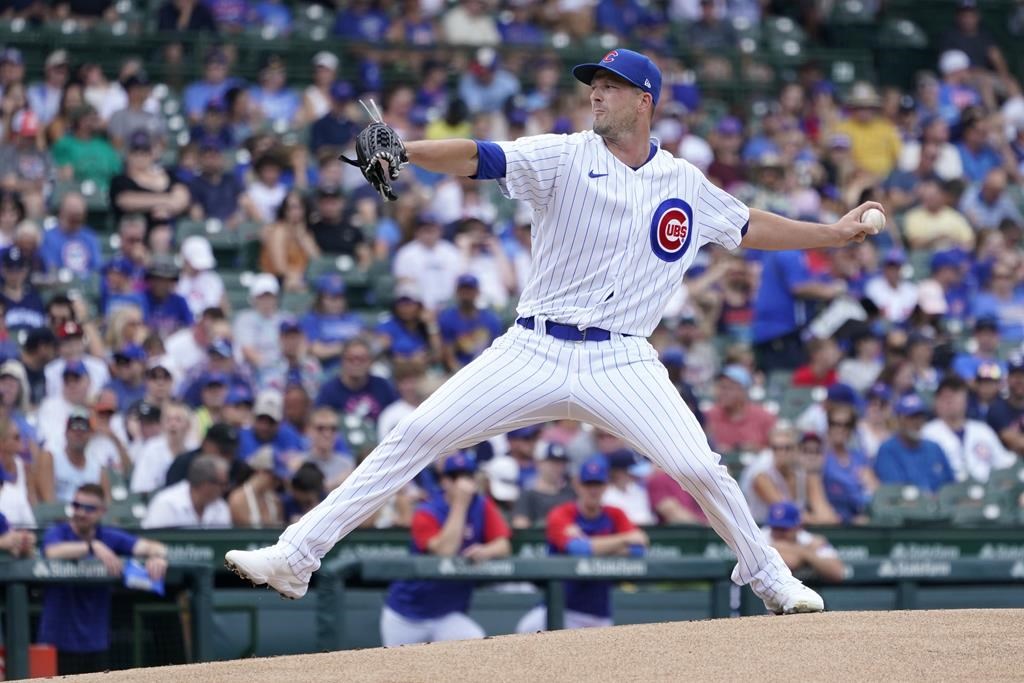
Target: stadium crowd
(130,363)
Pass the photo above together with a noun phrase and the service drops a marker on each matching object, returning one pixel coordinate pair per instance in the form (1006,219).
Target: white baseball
(874,218)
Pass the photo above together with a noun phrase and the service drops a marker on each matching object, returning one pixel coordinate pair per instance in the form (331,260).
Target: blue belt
(568,332)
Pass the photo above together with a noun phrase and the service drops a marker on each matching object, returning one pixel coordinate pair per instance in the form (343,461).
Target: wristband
(637,550)
(579,546)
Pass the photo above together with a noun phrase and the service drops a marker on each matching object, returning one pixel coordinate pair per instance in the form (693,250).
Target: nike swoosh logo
(597,175)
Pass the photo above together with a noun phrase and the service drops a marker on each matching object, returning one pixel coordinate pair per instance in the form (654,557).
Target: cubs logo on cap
(636,68)
(671,229)
(610,57)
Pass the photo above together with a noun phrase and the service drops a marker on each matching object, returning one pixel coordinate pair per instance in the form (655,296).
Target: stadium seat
(896,504)
(1008,482)
(49,513)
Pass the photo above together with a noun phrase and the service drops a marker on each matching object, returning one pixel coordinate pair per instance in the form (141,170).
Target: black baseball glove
(376,144)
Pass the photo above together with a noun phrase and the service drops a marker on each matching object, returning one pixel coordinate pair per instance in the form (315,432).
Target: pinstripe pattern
(593,266)
(524,378)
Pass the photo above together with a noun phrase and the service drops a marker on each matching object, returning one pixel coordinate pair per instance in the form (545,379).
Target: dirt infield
(966,645)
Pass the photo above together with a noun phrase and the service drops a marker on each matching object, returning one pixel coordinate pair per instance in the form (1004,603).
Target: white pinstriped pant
(526,377)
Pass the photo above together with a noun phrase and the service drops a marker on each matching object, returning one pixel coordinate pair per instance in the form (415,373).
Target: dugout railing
(17,575)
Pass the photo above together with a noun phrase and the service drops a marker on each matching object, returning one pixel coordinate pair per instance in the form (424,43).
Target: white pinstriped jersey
(611,244)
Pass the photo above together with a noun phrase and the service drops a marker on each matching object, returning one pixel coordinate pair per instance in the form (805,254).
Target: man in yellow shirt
(933,224)
(874,140)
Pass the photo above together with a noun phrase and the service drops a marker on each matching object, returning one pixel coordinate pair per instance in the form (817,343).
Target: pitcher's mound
(967,645)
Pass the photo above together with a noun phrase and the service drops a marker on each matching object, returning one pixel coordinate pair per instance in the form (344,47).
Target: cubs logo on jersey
(671,229)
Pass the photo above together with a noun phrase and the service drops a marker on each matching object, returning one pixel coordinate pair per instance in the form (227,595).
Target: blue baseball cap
(239,394)
(947,258)
(594,470)
(895,257)
(213,378)
(289,324)
(75,367)
(621,459)
(632,66)
(341,91)
(120,265)
(784,515)
(461,461)
(673,355)
(530,432)
(842,393)
(330,284)
(910,405)
(880,392)
(468,280)
(130,352)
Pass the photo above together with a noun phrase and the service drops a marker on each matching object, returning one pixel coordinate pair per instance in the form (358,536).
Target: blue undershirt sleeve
(578,546)
(490,161)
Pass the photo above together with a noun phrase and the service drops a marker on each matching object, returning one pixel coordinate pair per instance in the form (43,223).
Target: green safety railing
(17,575)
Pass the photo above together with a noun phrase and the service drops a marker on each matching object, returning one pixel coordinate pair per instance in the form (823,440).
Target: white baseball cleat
(267,567)
(790,596)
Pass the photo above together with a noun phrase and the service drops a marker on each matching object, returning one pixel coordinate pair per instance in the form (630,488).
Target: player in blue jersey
(584,528)
(459,523)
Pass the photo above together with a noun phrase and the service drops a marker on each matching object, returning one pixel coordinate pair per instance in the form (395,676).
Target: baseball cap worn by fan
(631,66)
(503,478)
(265,459)
(461,461)
(269,404)
(555,451)
(197,252)
(75,367)
(783,515)
(594,470)
(264,283)
(910,405)
(738,374)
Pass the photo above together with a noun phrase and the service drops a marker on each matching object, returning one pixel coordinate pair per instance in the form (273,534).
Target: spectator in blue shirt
(1003,300)
(164,310)
(780,308)
(72,244)
(275,14)
(22,305)
(955,92)
(354,391)
(847,474)
(621,17)
(335,128)
(274,99)
(361,21)
(465,329)
(268,427)
(214,85)
(908,458)
(214,124)
(987,204)
(215,194)
(486,87)
(986,348)
(976,154)
(128,375)
(76,619)
(406,333)
(329,324)
(231,15)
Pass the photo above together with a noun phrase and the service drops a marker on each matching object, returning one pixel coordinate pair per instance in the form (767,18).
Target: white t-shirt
(14,500)
(99,375)
(266,199)
(432,270)
(896,303)
(634,501)
(391,416)
(52,422)
(173,507)
(202,290)
(318,101)
(151,465)
(182,349)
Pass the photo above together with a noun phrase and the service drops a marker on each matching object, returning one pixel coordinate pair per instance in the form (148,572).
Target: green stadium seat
(49,513)
(1008,482)
(965,493)
(846,12)
(896,33)
(794,400)
(297,303)
(896,504)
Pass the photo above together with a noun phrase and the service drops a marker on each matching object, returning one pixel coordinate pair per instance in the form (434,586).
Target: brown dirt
(967,645)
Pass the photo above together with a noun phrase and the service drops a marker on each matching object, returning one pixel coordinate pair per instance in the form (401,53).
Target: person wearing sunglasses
(326,450)
(459,523)
(76,619)
(848,478)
